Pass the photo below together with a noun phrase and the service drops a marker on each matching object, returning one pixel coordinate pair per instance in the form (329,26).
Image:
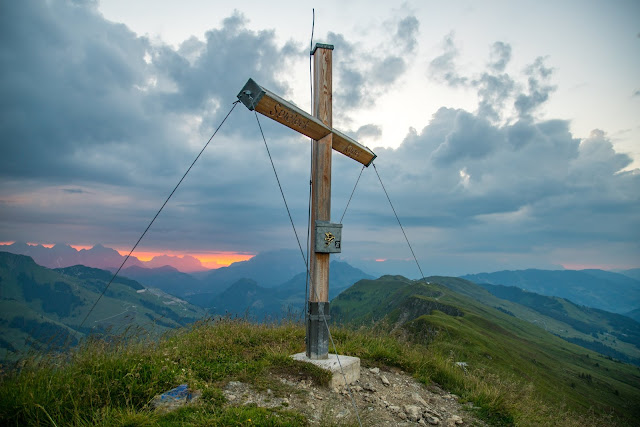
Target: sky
(507,133)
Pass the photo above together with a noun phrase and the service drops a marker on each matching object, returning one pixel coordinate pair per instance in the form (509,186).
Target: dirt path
(383,398)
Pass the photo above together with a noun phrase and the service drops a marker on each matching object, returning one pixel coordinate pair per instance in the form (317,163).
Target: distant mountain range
(246,298)
(268,269)
(272,285)
(42,308)
(601,289)
(62,255)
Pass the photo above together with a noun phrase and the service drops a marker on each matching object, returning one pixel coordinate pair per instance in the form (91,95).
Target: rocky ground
(382,397)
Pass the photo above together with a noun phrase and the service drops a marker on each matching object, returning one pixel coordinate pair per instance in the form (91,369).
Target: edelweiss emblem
(328,238)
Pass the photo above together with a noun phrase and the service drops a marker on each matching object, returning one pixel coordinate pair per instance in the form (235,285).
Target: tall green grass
(112,383)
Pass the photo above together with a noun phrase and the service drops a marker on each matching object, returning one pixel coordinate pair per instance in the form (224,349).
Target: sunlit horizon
(209,260)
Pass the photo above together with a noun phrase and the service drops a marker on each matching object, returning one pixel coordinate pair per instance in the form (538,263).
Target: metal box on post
(328,238)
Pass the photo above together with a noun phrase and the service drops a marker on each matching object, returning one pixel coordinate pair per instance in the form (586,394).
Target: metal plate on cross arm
(328,237)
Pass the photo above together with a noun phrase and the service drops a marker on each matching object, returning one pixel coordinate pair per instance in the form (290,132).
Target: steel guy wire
(306,280)
(157,213)
(398,219)
(350,197)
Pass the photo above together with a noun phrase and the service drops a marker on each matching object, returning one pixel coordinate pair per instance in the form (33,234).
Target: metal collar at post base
(317,331)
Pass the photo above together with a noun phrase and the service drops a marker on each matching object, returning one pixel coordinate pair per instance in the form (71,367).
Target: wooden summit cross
(327,237)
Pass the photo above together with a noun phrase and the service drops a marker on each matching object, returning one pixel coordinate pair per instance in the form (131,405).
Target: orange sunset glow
(208,259)
(222,258)
(81,247)
(46,245)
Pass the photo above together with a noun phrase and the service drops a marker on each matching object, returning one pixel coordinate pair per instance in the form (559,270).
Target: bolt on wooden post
(325,237)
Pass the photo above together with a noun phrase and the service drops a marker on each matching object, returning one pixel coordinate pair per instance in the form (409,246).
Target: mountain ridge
(601,289)
(42,307)
(63,255)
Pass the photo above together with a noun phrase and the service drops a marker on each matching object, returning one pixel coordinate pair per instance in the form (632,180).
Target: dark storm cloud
(509,188)
(102,124)
(85,98)
(504,184)
(221,65)
(63,70)
(98,125)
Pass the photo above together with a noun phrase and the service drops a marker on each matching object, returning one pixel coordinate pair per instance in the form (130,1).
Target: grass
(106,383)
(517,373)
(111,383)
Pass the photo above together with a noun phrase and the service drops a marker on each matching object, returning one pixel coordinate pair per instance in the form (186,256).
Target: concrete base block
(350,366)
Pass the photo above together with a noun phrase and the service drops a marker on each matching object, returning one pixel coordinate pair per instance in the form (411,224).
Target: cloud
(90,105)
(493,93)
(361,75)
(500,56)
(99,124)
(539,88)
(497,90)
(85,97)
(511,188)
(369,131)
(407,32)
(443,67)
(73,190)
(494,86)
(389,69)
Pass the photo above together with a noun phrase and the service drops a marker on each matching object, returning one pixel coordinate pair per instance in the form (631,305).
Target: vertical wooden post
(317,334)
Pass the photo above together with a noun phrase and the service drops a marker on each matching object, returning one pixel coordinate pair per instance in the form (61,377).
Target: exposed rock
(175,398)
(404,402)
(385,381)
(413,412)
(418,399)
(434,421)
(455,419)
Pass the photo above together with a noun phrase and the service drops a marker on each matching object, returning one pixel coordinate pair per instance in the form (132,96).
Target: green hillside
(611,334)
(488,341)
(607,333)
(41,308)
(606,290)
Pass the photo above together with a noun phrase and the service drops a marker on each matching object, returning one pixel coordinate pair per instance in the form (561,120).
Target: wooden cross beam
(265,102)
(319,128)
